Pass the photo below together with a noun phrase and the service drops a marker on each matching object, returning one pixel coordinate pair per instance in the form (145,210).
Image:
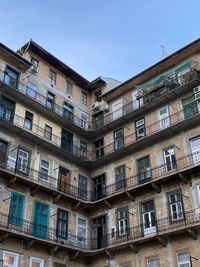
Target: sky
(108,38)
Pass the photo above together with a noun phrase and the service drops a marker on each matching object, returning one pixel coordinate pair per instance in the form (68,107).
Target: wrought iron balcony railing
(132,235)
(8,115)
(148,131)
(162,172)
(171,83)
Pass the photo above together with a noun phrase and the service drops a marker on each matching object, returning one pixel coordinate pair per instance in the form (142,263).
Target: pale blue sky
(110,38)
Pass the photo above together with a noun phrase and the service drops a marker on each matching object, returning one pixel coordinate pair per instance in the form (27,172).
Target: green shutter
(17,205)
(40,220)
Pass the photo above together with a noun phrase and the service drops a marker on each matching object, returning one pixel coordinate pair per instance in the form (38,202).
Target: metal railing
(162,226)
(54,182)
(8,115)
(149,131)
(169,84)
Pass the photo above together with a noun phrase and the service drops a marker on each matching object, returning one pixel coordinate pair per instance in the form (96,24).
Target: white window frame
(41,261)
(31,89)
(195,151)
(172,148)
(164,121)
(11,254)
(181,264)
(198,193)
(22,165)
(84,120)
(177,204)
(49,169)
(77,226)
(122,222)
(149,264)
(117,113)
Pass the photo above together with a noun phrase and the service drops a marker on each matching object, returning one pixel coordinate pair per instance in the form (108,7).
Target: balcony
(38,181)
(154,177)
(164,228)
(29,96)
(154,98)
(164,128)
(58,187)
(14,122)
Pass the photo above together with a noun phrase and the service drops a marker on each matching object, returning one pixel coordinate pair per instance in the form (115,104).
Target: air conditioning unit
(196,89)
(104,106)
(96,106)
(34,69)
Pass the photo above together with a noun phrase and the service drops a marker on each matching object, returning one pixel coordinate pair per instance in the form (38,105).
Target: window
(83,98)
(35,262)
(152,263)
(99,149)
(48,132)
(68,111)
(10,259)
(170,158)
(3,152)
(198,193)
(84,121)
(50,100)
(117,109)
(120,177)
(138,100)
(118,139)
(140,128)
(7,108)
(81,230)
(183,259)
(122,220)
(98,96)
(195,147)
(52,77)
(83,149)
(148,218)
(11,77)
(44,169)
(164,119)
(69,87)
(189,107)
(28,121)
(144,169)
(35,63)
(31,89)
(22,161)
(175,206)
(16,212)
(62,224)
(82,186)
(40,219)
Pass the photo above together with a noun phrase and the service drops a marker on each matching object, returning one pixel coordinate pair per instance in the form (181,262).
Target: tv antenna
(163,52)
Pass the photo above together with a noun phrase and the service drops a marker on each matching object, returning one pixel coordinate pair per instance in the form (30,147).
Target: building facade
(99,173)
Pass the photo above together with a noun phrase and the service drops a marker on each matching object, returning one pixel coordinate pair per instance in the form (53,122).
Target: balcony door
(3,152)
(99,187)
(99,232)
(148,218)
(64,179)
(23,159)
(170,159)
(195,147)
(40,220)
(144,169)
(11,77)
(190,107)
(67,140)
(82,186)
(164,119)
(117,109)
(7,108)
